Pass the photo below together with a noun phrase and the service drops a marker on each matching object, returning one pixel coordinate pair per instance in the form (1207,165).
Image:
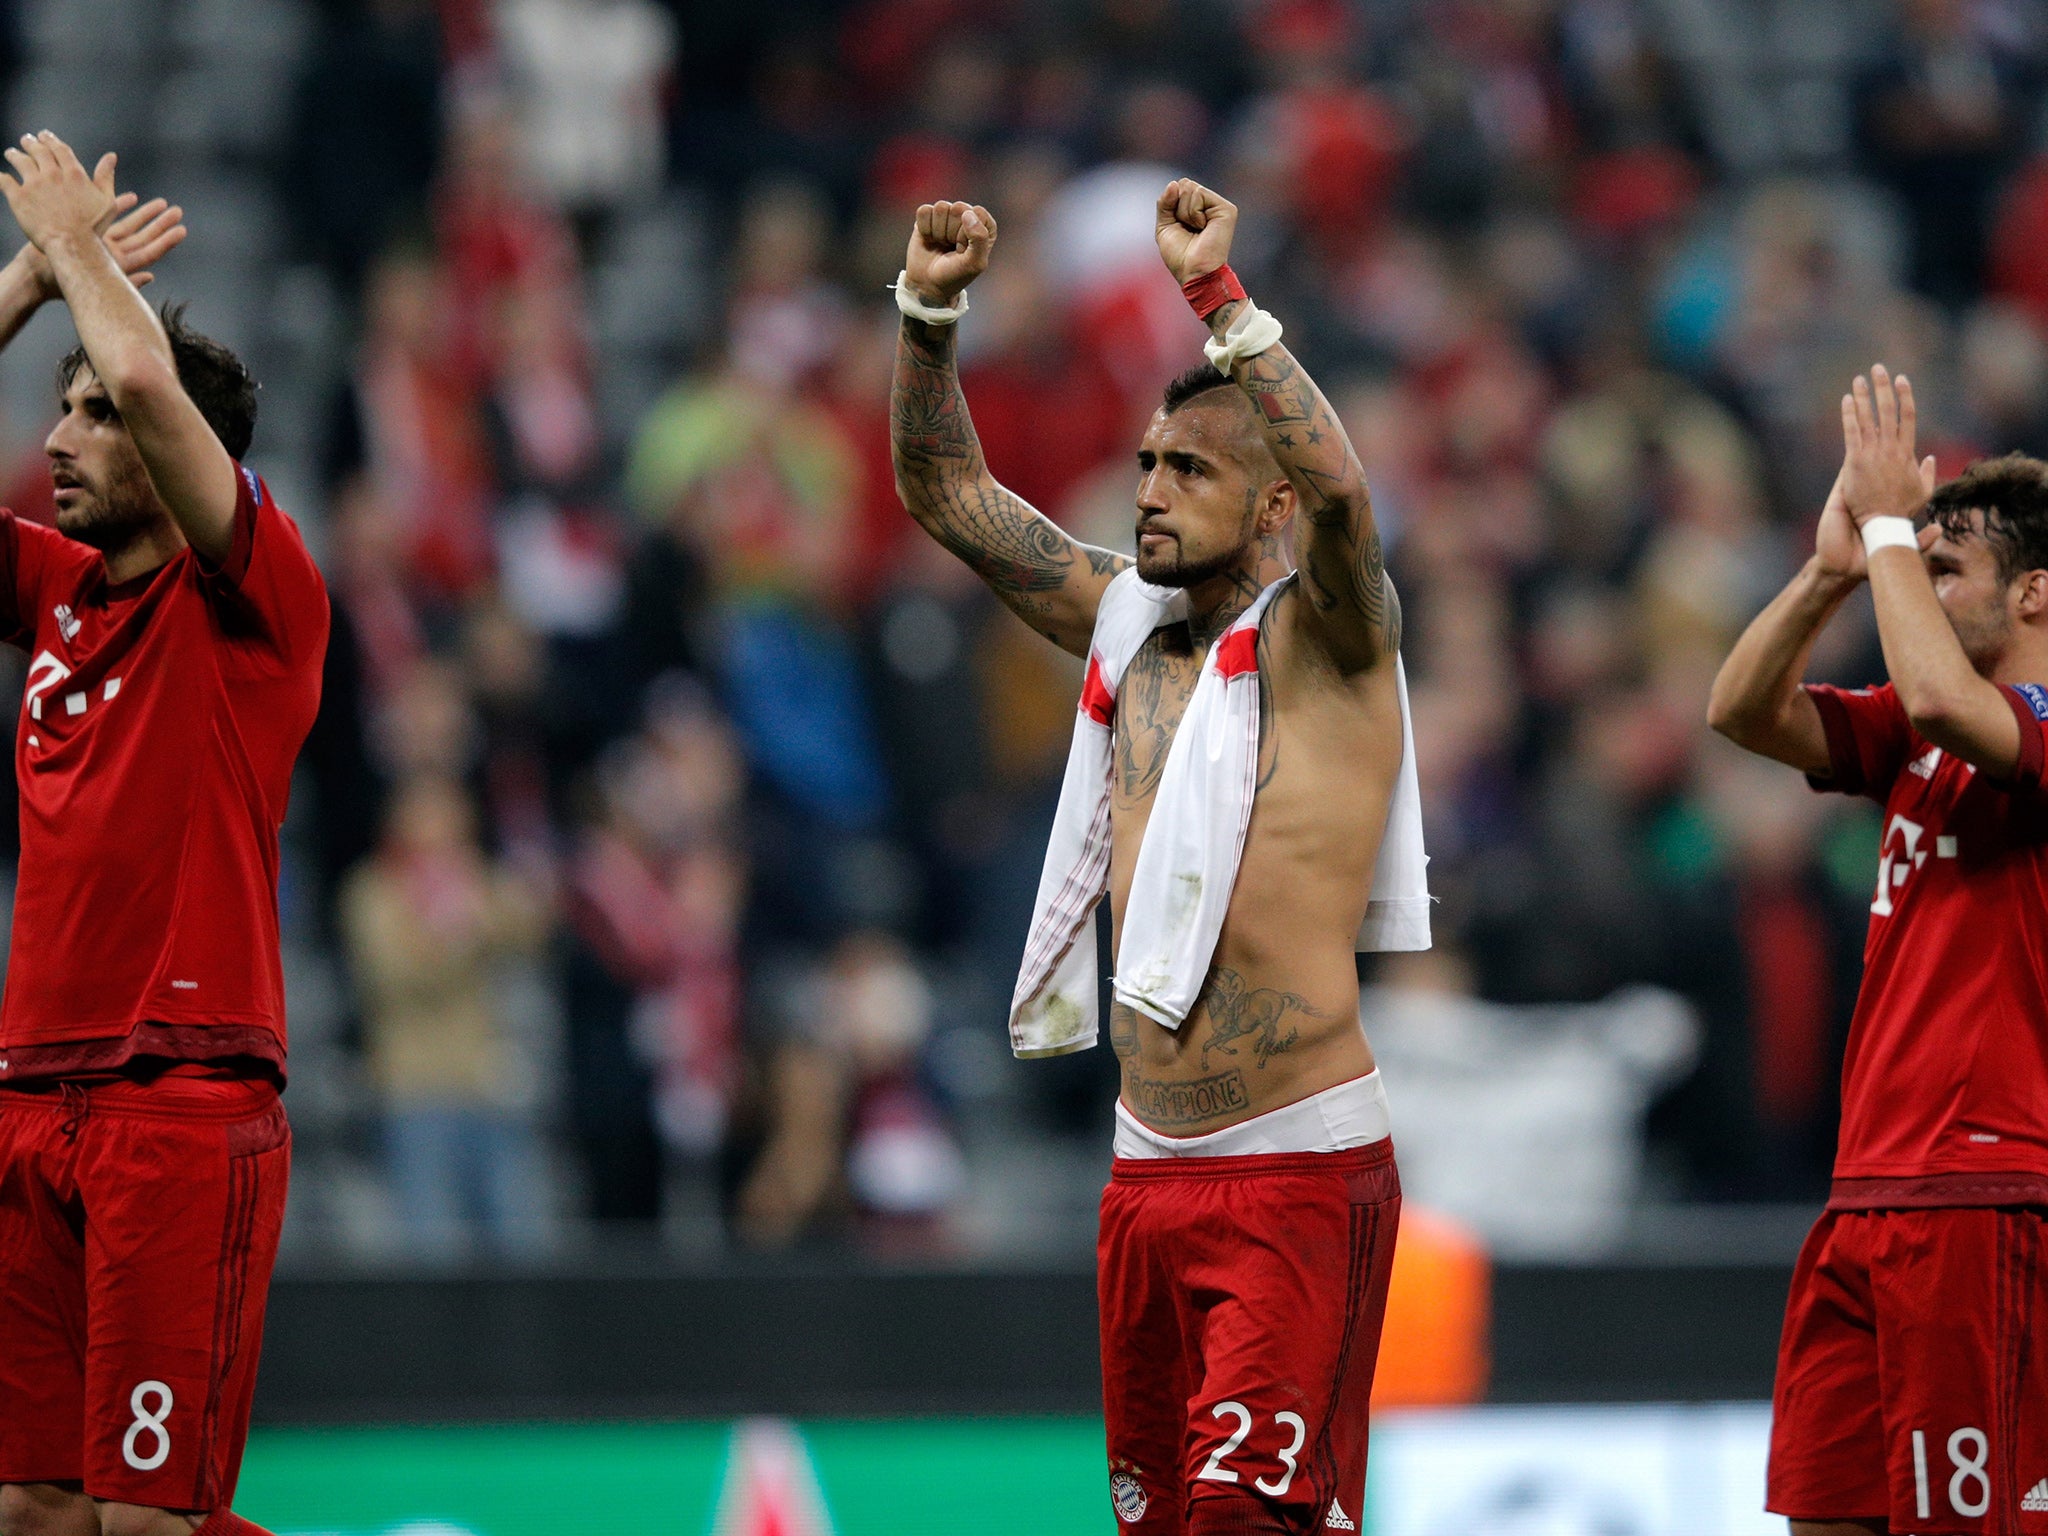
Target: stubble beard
(1984,638)
(1179,572)
(111,521)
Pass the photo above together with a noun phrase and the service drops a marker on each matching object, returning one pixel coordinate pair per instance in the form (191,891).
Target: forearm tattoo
(948,489)
(1342,564)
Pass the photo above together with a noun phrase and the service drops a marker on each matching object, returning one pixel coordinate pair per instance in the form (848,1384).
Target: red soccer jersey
(1945,1087)
(154,756)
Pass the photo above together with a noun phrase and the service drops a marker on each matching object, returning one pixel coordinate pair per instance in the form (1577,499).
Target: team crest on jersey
(2036,697)
(1128,1495)
(67,621)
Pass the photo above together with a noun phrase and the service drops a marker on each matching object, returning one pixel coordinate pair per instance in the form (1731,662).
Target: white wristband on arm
(908,301)
(1250,333)
(1887,532)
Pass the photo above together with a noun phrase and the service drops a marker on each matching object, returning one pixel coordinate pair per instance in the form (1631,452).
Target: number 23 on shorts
(1969,1485)
(1214,1469)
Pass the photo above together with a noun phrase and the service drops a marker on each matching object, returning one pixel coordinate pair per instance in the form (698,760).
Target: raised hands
(949,248)
(1880,475)
(137,234)
(1194,228)
(52,196)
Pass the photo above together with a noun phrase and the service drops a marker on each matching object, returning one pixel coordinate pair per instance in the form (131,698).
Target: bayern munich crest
(1128,1497)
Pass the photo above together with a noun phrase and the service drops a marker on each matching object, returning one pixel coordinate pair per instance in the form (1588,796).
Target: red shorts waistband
(167,1098)
(1252,1165)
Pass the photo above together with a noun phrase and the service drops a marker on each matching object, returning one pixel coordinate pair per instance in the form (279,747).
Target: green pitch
(1030,1477)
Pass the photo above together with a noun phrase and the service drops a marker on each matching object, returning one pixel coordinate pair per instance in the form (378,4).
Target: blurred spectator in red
(497,232)
(410,421)
(655,894)
(2018,238)
(1334,143)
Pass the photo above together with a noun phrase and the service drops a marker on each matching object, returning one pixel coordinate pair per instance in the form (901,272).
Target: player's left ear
(1277,505)
(2033,596)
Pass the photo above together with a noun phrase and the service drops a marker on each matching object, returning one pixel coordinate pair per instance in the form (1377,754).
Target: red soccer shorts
(1241,1307)
(1913,1373)
(138,1225)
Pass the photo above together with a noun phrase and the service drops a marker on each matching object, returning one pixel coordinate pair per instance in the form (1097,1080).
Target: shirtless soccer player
(176,628)
(1249,1224)
(1912,1389)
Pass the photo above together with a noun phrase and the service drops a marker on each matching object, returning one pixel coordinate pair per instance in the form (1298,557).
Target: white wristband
(1887,532)
(1250,334)
(908,301)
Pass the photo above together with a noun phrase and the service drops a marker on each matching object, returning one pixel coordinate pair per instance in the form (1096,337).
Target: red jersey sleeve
(2029,703)
(268,580)
(1869,739)
(29,552)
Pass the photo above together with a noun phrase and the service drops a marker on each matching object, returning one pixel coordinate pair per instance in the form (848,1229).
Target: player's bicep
(1049,579)
(1798,738)
(1350,609)
(1867,738)
(1987,727)
(266,578)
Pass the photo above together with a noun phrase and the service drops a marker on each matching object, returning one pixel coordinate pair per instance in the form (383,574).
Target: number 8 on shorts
(149,1421)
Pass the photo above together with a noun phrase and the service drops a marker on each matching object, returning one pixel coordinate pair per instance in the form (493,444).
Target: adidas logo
(1337,1520)
(2037,1498)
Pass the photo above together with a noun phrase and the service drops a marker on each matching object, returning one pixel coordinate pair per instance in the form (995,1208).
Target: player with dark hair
(176,627)
(1241,787)
(1912,1391)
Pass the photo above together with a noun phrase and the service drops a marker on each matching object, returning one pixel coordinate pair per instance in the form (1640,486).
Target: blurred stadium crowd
(666,840)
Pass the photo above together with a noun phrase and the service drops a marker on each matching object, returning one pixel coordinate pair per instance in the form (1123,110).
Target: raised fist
(1194,229)
(949,248)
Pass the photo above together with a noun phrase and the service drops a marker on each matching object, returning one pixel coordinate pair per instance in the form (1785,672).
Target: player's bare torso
(1277,1019)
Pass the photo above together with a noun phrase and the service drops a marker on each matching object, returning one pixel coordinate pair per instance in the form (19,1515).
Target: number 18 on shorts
(1913,1373)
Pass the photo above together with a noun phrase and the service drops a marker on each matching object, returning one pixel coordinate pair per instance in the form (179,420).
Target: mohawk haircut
(216,379)
(2012,493)
(1198,380)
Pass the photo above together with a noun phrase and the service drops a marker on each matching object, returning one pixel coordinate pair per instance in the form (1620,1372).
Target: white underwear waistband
(1352,1114)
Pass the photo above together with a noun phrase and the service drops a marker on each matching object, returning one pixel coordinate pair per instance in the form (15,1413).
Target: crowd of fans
(672,712)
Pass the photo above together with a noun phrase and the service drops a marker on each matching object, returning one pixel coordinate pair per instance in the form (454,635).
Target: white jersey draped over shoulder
(1187,865)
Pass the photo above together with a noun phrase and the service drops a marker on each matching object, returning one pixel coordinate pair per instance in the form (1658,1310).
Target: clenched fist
(1194,229)
(949,248)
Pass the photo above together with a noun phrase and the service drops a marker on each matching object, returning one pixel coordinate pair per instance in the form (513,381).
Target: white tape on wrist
(1250,334)
(1887,532)
(908,301)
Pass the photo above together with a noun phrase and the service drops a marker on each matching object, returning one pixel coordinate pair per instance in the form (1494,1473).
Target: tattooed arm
(1050,581)
(1352,611)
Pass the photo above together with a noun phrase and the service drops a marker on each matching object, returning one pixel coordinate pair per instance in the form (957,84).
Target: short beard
(1179,573)
(110,524)
(1983,641)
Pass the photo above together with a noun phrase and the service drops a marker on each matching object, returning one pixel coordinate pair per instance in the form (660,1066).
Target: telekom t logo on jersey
(1900,854)
(44,674)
